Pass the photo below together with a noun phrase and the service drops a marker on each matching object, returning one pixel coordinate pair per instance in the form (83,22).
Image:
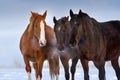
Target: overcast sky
(15,14)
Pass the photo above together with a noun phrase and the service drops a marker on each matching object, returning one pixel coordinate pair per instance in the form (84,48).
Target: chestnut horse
(37,44)
(97,41)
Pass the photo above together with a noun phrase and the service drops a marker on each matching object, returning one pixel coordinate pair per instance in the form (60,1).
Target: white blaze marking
(59,28)
(42,40)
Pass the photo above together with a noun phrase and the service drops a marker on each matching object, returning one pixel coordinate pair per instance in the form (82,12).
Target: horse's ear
(32,13)
(44,15)
(67,17)
(71,13)
(80,11)
(54,20)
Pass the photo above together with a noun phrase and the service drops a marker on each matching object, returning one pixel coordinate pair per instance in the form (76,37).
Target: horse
(37,44)
(97,41)
(62,32)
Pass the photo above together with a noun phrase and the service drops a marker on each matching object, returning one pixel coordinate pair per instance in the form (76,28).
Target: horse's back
(111,24)
(116,25)
(111,31)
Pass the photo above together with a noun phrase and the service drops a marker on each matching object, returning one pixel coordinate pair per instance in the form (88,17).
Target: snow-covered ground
(20,74)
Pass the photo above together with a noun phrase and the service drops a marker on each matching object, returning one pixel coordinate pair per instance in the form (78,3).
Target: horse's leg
(40,62)
(100,64)
(73,67)
(85,66)
(35,67)
(28,68)
(66,67)
(54,66)
(116,67)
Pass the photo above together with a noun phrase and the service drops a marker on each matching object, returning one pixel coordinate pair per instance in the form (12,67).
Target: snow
(20,74)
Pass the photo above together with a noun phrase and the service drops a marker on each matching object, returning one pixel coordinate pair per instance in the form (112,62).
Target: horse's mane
(91,30)
(63,20)
(32,18)
(30,25)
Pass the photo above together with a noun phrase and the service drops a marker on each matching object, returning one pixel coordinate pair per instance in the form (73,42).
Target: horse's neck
(50,35)
(29,31)
(92,36)
(89,33)
(29,40)
(29,37)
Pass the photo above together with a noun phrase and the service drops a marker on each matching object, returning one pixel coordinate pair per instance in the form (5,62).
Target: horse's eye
(75,22)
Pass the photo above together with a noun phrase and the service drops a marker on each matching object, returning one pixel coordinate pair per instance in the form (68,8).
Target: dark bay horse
(97,41)
(62,31)
(37,44)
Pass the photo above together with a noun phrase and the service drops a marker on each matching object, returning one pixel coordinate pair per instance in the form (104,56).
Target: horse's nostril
(42,43)
(61,48)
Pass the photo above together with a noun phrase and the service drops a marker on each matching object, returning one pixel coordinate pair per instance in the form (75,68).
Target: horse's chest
(88,55)
(36,56)
(33,55)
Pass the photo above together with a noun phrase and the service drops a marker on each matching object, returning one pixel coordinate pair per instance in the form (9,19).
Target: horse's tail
(54,66)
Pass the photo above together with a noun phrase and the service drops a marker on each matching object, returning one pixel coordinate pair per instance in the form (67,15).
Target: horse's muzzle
(60,47)
(42,43)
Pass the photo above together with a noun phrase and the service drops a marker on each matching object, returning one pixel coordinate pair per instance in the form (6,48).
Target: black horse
(97,41)
(62,32)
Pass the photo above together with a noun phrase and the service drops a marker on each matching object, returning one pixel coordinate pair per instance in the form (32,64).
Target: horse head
(62,30)
(37,27)
(78,25)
